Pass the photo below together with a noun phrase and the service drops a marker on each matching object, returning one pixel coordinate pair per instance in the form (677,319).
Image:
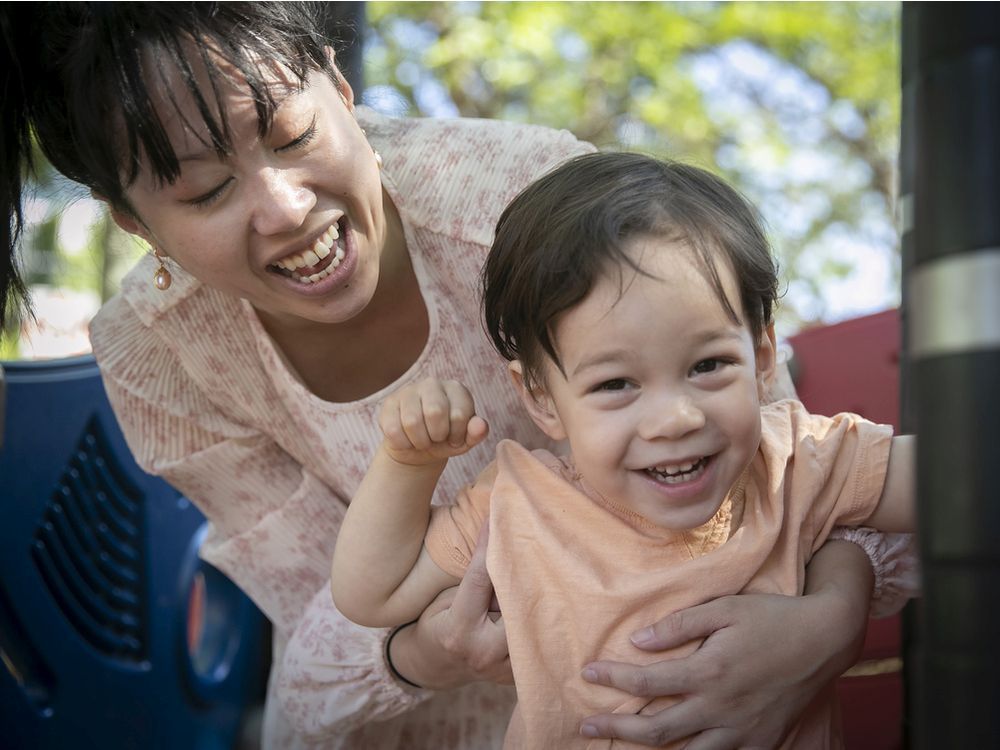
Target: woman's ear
(343,87)
(766,356)
(130,224)
(125,221)
(538,404)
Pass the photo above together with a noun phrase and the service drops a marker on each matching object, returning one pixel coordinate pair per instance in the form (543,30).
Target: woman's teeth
(678,473)
(314,259)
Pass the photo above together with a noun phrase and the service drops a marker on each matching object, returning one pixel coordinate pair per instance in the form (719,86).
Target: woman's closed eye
(302,140)
(207,199)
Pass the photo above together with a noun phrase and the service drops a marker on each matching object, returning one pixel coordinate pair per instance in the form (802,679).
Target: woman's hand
(764,659)
(458,639)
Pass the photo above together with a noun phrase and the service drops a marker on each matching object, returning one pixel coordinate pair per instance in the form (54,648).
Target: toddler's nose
(671,417)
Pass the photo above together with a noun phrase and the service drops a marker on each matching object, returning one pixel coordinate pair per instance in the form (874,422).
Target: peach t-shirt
(575,574)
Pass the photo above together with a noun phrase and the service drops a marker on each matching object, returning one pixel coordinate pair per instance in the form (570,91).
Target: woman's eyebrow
(204,154)
(281,93)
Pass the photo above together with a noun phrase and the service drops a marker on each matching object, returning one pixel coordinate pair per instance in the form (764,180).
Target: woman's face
(292,221)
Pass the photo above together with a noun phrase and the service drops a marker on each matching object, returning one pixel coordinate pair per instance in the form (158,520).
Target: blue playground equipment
(113,634)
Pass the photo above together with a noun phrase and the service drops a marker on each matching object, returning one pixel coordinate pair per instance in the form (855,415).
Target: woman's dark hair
(77,78)
(555,240)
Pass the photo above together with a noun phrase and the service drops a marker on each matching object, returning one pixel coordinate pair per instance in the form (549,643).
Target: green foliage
(9,348)
(789,85)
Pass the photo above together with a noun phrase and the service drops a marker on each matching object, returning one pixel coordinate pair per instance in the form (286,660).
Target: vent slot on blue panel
(89,550)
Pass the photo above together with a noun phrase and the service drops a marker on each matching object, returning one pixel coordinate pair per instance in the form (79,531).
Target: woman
(294,282)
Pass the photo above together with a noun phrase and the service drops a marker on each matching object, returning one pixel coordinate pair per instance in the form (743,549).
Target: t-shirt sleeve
(895,563)
(453,529)
(838,466)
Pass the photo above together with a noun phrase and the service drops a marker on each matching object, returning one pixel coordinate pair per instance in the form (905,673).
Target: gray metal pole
(951,226)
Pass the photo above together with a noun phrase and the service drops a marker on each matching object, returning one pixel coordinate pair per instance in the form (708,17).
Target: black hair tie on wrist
(388,658)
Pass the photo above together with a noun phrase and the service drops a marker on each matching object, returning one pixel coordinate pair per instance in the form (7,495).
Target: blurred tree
(796,103)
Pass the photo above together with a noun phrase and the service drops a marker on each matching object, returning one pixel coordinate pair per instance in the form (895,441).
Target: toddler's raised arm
(381,575)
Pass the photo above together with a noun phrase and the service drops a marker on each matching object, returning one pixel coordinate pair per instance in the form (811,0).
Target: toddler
(633,299)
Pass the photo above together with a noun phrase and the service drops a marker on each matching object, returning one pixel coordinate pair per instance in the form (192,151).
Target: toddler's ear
(766,356)
(538,404)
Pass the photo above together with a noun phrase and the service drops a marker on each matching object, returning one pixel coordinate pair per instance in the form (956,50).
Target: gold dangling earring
(162,278)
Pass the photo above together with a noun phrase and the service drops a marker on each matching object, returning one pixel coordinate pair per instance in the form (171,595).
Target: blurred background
(798,104)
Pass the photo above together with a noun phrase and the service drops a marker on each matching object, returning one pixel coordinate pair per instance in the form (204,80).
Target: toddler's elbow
(346,603)
(359,610)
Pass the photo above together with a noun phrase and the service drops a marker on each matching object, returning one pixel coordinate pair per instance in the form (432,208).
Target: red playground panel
(854,366)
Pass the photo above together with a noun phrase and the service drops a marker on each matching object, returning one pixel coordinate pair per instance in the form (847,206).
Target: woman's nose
(670,417)
(281,202)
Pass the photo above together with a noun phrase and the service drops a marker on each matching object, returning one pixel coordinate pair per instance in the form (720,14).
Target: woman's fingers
(472,635)
(760,662)
(475,592)
(668,677)
(653,730)
(722,738)
(672,724)
(683,626)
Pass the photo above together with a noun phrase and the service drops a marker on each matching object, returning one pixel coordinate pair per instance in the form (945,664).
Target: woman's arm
(763,660)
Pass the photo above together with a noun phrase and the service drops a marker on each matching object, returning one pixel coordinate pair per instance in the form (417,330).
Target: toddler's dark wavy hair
(77,78)
(562,233)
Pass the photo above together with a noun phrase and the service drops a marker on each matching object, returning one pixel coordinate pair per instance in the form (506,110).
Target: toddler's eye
(706,366)
(617,384)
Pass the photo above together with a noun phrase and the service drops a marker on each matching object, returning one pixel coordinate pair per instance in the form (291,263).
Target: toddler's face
(661,394)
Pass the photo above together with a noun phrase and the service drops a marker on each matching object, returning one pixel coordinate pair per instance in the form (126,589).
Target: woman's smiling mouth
(316,263)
